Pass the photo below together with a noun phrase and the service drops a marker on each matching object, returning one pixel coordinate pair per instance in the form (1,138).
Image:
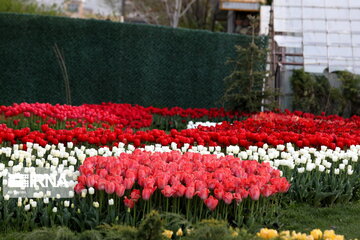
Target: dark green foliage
(173,221)
(90,235)
(214,230)
(64,233)
(107,61)
(313,93)
(151,227)
(351,91)
(246,86)
(60,233)
(118,232)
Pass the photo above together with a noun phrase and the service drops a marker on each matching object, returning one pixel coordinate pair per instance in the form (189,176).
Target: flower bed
(122,168)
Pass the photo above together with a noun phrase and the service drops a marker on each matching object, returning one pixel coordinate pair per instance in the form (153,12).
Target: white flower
(310,167)
(317,161)
(337,171)
(350,171)
(111,202)
(243,155)
(58,196)
(301,170)
(342,166)
(27,207)
(83,193)
(54,210)
(96,204)
(11,163)
(33,204)
(6,197)
(70,145)
(91,190)
(280,147)
(321,168)
(46,200)
(236,149)
(71,194)
(66,203)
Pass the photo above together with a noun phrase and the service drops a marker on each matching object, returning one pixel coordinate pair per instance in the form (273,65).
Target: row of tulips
(115,113)
(107,114)
(244,134)
(124,188)
(167,177)
(104,125)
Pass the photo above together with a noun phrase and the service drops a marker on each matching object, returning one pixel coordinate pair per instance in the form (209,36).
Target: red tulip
(167,191)
(78,188)
(147,192)
(110,187)
(254,192)
(135,194)
(203,194)
(190,192)
(228,197)
(120,190)
(211,203)
(130,203)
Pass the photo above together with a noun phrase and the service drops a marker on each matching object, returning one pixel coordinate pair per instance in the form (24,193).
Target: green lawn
(344,219)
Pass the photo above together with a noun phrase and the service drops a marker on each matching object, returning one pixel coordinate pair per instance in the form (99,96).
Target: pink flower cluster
(175,175)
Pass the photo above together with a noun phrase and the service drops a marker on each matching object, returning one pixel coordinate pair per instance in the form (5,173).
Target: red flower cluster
(181,175)
(121,115)
(299,128)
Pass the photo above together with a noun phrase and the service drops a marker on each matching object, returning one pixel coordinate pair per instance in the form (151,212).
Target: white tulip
(66,203)
(33,204)
(337,171)
(83,193)
(280,147)
(96,204)
(6,197)
(54,210)
(27,207)
(341,166)
(91,190)
(321,168)
(111,202)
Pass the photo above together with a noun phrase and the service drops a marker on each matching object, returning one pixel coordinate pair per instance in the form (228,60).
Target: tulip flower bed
(109,128)
(123,184)
(184,183)
(123,167)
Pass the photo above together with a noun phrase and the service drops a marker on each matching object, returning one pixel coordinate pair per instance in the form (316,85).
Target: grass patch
(344,219)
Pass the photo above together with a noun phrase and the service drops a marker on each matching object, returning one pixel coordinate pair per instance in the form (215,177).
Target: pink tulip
(211,203)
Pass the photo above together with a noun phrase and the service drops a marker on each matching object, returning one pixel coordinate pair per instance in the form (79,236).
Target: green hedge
(107,61)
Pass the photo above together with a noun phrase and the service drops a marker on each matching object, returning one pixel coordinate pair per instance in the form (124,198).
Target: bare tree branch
(187,7)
